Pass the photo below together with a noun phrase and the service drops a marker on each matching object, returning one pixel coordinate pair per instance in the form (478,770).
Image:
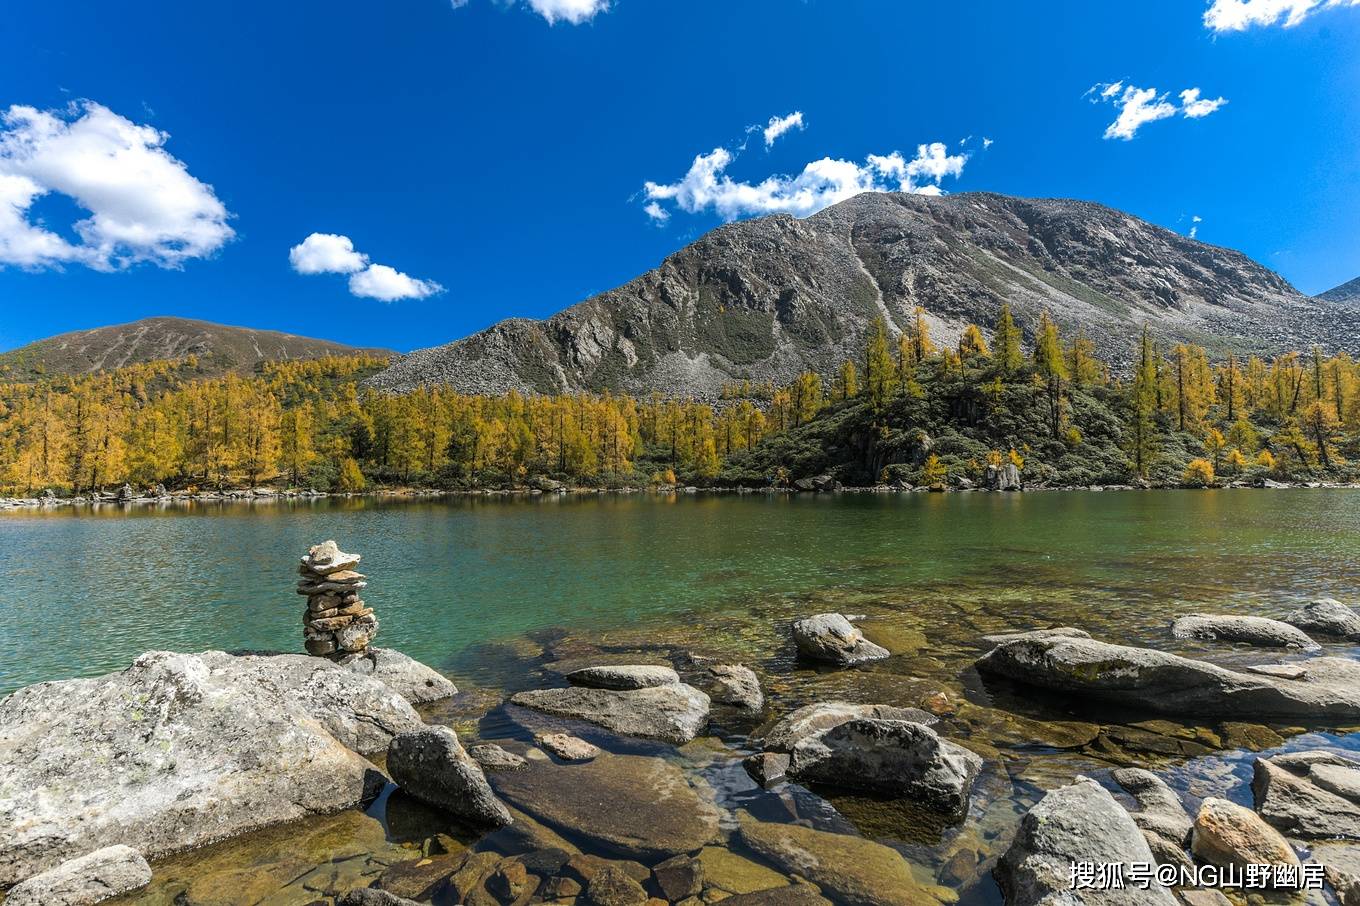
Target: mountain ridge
(1346,292)
(763,299)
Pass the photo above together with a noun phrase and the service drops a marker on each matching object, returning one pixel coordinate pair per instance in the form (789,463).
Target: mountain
(219,348)
(764,299)
(1346,292)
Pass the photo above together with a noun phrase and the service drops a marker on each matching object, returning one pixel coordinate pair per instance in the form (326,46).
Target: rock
(788,895)
(1249,630)
(629,805)
(672,713)
(1228,834)
(733,684)
(640,676)
(1327,616)
(895,757)
(566,746)
(679,877)
(327,558)
(125,493)
(1160,816)
(852,870)
(180,750)
(611,886)
(511,880)
(812,719)
(1057,632)
(417,683)
(1325,688)
(492,757)
(767,768)
(830,638)
(815,483)
(92,878)
(730,873)
(1341,867)
(1080,823)
(369,896)
(1005,477)
(1313,795)
(431,765)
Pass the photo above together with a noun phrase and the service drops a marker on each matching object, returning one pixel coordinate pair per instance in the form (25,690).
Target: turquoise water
(84,592)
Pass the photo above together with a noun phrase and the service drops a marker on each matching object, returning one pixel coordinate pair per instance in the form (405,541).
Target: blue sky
(483,162)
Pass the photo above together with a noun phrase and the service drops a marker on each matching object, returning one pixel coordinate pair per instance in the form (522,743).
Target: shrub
(1199,473)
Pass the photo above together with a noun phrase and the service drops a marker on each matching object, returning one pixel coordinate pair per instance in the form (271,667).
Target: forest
(907,411)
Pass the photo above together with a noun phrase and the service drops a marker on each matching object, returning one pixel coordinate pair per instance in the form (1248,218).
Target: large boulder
(1226,833)
(673,712)
(431,764)
(1313,795)
(832,639)
(417,683)
(896,757)
(1075,824)
(1160,815)
(1259,631)
(818,717)
(733,684)
(1322,689)
(631,806)
(1327,616)
(850,870)
(91,878)
(631,676)
(182,750)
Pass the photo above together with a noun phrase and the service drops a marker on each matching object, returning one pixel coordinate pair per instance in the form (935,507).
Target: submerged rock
(492,757)
(432,765)
(1259,631)
(852,870)
(368,896)
(672,713)
(788,895)
(767,768)
(832,639)
(810,720)
(92,878)
(182,750)
(1057,632)
(632,676)
(417,683)
(567,747)
(1327,616)
(1080,823)
(1313,795)
(1228,834)
(1318,689)
(889,756)
(630,805)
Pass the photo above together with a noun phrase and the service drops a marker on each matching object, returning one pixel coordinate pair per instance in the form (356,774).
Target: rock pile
(336,621)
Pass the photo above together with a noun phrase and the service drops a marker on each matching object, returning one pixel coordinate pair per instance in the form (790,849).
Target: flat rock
(1080,823)
(417,683)
(431,764)
(1228,834)
(1259,631)
(672,713)
(92,878)
(832,639)
(634,806)
(788,895)
(1328,689)
(494,758)
(819,716)
(1057,632)
(851,870)
(326,558)
(895,757)
(182,750)
(566,747)
(1312,795)
(629,676)
(1327,616)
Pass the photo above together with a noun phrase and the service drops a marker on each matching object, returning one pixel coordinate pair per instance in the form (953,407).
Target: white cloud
(987,143)
(378,281)
(1140,106)
(1194,225)
(781,124)
(1239,15)
(573,11)
(821,183)
(329,253)
(143,204)
(657,212)
(1195,107)
(326,253)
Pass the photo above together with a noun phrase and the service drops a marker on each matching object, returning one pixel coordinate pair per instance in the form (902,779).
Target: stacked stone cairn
(336,622)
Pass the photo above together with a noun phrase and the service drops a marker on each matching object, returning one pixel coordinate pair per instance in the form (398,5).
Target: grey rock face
(492,757)
(1058,632)
(368,896)
(1327,616)
(182,750)
(92,878)
(766,299)
(1249,630)
(810,720)
(431,765)
(417,683)
(642,676)
(1076,823)
(1161,816)
(889,756)
(672,713)
(1313,795)
(832,639)
(733,684)
(1346,292)
(1319,689)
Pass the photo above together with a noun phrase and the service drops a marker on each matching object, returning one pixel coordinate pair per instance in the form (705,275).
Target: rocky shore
(623,777)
